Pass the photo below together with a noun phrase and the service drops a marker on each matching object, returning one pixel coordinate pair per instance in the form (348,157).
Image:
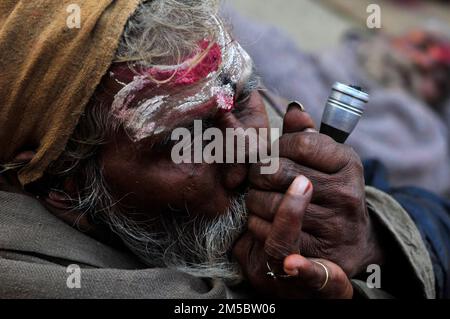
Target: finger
(249,253)
(317,151)
(242,247)
(296,119)
(319,221)
(260,229)
(321,276)
(264,205)
(287,171)
(284,235)
(311,274)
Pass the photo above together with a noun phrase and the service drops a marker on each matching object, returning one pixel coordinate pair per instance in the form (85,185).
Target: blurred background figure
(302,47)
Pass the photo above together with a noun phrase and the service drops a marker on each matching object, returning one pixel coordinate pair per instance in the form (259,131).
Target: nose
(235,167)
(235,176)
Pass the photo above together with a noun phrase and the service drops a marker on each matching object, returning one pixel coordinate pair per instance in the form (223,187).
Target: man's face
(184,215)
(140,171)
(147,181)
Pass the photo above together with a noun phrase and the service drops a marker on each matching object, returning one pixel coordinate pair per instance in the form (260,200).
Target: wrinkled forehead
(151,99)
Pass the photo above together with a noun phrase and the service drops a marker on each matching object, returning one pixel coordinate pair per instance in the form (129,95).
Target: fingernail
(295,104)
(291,272)
(300,185)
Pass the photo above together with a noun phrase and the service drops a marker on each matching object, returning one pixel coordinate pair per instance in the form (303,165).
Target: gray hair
(160,32)
(165,31)
(198,246)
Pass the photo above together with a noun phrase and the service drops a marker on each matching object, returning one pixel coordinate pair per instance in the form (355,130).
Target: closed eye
(165,139)
(253,83)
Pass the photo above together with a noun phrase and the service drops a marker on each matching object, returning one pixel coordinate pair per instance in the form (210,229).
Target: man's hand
(336,225)
(279,253)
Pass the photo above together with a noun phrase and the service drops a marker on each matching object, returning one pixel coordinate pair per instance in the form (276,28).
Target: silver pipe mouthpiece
(343,110)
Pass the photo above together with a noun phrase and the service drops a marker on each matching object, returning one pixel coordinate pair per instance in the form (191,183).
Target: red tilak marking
(182,76)
(208,64)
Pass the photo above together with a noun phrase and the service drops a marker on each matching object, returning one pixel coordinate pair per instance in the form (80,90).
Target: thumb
(296,119)
(323,277)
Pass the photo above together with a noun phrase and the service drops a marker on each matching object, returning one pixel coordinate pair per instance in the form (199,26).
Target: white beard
(197,246)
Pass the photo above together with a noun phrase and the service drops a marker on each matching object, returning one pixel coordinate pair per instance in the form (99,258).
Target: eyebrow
(252,83)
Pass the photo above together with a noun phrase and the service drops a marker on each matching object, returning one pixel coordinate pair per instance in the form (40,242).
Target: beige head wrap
(49,71)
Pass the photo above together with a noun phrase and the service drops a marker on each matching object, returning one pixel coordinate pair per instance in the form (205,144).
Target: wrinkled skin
(148,181)
(283,239)
(336,225)
(153,181)
(329,221)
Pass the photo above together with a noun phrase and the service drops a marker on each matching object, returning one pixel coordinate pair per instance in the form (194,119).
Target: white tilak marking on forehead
(140,122)
(150,106)
(234,59)
(201,97)
(235,62)
(124,97)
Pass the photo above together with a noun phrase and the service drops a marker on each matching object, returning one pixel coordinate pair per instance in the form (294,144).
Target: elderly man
(88,180)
